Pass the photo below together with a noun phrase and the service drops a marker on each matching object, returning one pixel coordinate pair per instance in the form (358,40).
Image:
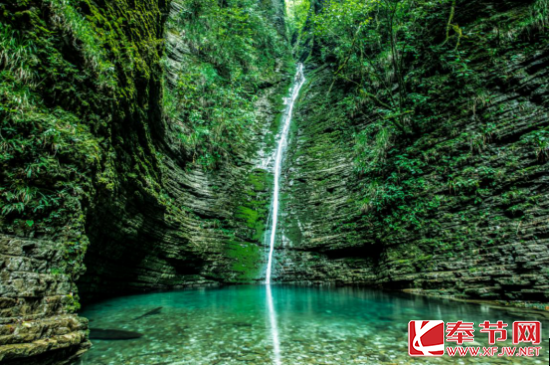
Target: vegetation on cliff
(86,88)
(410,66)
(208,99)
(440,108)
(124,129)
(131,134)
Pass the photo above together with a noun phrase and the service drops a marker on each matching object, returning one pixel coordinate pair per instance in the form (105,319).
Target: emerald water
(233,325)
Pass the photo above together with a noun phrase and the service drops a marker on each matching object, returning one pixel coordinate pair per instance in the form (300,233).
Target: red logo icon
(426,338)
(527,332)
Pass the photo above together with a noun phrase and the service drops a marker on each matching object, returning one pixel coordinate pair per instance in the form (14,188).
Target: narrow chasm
(148,146)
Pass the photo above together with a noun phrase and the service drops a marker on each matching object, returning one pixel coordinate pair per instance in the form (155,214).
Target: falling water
(299,80)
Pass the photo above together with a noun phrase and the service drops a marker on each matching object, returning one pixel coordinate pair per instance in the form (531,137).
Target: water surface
(233,325)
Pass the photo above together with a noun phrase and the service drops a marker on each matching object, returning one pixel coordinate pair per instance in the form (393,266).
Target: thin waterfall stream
(299,81)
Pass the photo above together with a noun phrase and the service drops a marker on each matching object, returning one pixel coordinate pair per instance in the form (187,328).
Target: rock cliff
(458,204)
(130,155)
(136,155)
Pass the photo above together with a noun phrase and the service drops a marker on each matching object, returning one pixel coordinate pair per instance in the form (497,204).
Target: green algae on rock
(135,144)
(448,199)
(102,167)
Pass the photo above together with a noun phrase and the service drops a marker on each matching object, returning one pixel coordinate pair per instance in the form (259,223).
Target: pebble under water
(231,325)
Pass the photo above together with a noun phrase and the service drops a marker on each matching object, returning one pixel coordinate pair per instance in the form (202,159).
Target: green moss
(72,304)
(258,180)
(249,215)
(247,260)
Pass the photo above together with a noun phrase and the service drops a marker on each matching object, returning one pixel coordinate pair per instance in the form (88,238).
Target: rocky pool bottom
(232,325)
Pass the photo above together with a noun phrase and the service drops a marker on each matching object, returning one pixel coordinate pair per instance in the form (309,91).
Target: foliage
(408,66)
(68,69)
(209,100)
(109,101)
(34,141)
(297,12)
(538,140)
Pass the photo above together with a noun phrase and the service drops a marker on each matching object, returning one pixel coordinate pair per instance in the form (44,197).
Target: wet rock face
(179,224)
(481,230)
(118,205)
(34,302)
(100,198)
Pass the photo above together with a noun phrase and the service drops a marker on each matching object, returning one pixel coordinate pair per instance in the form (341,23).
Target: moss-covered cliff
(420,156)
(136,141)
(129,140)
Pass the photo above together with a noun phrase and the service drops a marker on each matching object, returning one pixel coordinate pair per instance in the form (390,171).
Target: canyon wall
(129,155)
(137,142)
(458,204)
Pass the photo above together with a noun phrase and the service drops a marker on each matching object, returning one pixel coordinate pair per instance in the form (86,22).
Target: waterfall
(299,81)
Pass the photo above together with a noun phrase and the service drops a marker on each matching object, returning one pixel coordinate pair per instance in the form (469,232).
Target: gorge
(141,150)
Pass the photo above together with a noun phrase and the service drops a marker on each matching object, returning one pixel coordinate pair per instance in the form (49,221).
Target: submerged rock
(242,324)
(155,311)
(113,334)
